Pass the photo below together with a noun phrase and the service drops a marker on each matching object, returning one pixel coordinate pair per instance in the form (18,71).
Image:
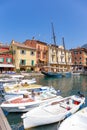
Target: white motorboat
(25,102)
(18,82)
(52,112)
(7,80)
(75,73)
(77,121)
(11,90)
(28,81)
(16,76)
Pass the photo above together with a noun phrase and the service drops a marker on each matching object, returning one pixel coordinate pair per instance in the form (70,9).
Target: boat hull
(30,122)
(77,121)
(24,107)
(51,113)
(52,74)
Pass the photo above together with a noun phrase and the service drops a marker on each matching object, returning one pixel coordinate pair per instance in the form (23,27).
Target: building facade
(6,59)
(41,52)
(79,59)
(24,56)
(59,58)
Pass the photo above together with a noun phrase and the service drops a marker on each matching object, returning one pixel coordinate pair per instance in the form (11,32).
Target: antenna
(54,37)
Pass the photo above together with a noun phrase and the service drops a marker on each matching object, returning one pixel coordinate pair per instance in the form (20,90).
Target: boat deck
(20,100)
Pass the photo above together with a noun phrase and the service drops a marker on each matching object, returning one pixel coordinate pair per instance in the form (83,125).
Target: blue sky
(23,19)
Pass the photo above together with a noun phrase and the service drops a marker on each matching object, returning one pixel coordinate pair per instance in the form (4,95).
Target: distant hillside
(84,46)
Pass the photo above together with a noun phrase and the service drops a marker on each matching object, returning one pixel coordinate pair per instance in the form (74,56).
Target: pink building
(6,59)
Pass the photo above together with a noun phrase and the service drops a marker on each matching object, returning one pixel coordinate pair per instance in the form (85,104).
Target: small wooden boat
(25,102)
(53,111)
(77,121)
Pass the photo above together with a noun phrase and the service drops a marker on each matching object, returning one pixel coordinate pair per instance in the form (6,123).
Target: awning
(7,65)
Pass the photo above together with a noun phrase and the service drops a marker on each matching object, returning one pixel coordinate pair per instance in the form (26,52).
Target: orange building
(79,58)
(41,52)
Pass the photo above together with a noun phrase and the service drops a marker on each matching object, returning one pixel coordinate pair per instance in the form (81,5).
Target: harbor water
(68,86)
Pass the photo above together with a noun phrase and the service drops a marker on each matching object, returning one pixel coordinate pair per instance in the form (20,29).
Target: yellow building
(24,57)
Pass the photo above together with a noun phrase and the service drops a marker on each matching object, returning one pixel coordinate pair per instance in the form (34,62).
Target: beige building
(24,57)
(59,58)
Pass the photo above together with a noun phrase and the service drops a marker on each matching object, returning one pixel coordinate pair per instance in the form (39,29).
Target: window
(38,55)
(22,62)
(80,52)
(14,51)
(8,60)
(32,52)
(75,52)
(23,52)
(1,60)
(43,55)
(32,62)
(38,47)
(75,63)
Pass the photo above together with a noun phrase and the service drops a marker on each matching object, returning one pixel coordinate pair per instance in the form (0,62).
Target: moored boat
(53,111)
(7,80)
(52,74)
(75,73)
(25,102)
(77,121)
(66,74)
(16,90)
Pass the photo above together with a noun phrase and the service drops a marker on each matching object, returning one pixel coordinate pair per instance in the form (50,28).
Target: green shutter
(32,62)
(9,60)
(1,59)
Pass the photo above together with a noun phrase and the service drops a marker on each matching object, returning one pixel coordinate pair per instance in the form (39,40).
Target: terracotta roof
(22,45)
(28,42)
(41,42)
(4,51)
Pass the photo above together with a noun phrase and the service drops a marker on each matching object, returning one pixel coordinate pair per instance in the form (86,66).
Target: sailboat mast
(56,49)
(64,49)
(54,37)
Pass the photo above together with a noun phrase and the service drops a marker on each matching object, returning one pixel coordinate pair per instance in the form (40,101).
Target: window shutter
(1,59)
